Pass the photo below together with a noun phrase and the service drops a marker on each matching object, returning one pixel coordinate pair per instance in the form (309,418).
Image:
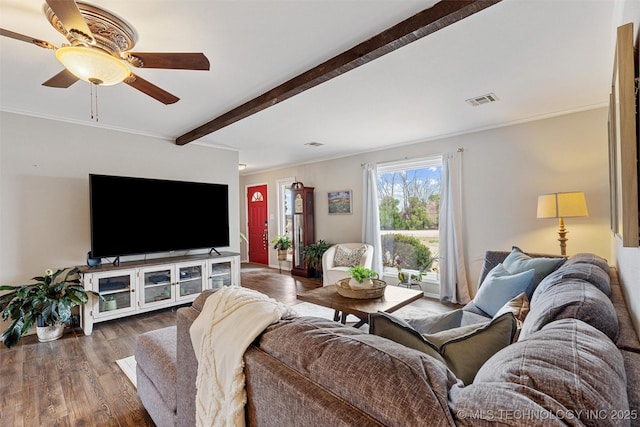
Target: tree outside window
(409,207)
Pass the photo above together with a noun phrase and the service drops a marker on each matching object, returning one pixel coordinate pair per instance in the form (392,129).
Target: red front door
(258,224)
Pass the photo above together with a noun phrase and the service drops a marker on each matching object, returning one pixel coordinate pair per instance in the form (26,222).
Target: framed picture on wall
(339,202)
(623,149)
(613,170)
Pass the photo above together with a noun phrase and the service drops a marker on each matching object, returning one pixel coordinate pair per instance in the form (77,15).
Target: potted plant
(312,255)
(402,278)
(361,277)
(47,302)
(282,244)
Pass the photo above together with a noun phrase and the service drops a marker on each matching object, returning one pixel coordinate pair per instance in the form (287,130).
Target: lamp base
(562,232)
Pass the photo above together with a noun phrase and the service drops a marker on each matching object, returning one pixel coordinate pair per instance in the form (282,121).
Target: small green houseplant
(361,277)
(312,254)
(47,302)
(282,244)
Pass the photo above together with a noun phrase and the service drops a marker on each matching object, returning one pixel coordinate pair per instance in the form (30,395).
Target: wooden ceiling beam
(421,24)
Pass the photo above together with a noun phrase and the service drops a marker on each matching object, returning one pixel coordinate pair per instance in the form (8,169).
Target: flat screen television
(132,216)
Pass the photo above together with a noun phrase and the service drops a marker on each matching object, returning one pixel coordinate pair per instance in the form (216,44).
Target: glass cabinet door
(157,285)
(220,275)
(190,280)
(116,292)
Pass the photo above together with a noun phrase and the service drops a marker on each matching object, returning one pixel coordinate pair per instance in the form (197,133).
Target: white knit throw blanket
(230,320)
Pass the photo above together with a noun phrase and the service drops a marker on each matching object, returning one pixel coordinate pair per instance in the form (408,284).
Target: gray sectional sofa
(577,362)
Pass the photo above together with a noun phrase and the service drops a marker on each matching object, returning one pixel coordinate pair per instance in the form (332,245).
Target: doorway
(258,224)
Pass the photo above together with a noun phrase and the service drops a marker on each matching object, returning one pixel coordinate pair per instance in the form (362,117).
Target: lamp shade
(93,65)
(562,205)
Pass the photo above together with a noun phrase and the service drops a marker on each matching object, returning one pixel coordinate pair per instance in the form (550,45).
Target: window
(409,207)
(285,215)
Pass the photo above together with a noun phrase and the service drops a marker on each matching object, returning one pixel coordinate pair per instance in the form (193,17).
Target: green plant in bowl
(360,273)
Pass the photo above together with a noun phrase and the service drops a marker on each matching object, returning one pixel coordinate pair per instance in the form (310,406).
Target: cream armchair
(349,254)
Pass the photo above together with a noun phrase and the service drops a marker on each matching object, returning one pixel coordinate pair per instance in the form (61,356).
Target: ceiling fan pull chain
(94,102)
(91,99)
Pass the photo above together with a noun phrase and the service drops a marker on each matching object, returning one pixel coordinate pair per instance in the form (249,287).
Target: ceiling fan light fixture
(93,65)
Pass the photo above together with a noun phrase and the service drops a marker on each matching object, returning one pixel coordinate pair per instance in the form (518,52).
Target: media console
(135,287)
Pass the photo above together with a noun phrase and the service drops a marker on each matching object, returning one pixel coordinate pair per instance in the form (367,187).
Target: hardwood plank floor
(75,381)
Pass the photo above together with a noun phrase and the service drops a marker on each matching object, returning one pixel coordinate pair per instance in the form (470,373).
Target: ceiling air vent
(484,99)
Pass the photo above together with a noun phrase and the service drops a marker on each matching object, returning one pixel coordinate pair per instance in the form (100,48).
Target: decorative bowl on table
(376,291)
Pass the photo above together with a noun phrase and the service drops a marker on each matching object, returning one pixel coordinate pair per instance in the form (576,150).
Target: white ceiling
(540,57)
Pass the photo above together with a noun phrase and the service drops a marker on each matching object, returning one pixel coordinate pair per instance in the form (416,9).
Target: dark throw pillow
(463,350)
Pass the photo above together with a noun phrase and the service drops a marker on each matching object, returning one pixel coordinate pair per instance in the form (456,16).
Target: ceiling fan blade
(150,89)
(68,13)
(63,79)
(174,61)
(40,43)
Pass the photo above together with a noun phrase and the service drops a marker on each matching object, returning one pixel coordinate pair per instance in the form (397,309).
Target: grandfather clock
(303,226)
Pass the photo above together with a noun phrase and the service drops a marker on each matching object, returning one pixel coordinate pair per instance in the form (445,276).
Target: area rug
(306,309)
(128,366)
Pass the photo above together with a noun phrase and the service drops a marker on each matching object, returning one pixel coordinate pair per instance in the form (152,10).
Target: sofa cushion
(348,362)
(627,336)
(584,258)
(345,257)
(572,298)
(500,286)
(584,271)
(568,373)
(198,303)
(463,349)
(518,261)
(444,321)
(471,307)
(156,357)
(631,363)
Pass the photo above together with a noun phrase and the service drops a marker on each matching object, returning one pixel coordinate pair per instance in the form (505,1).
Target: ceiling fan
(99,50)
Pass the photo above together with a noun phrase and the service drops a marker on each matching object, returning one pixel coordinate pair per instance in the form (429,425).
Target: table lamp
(561,206)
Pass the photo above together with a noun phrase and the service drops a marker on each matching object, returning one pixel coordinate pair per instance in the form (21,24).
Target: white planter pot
(366,284)
(49,333)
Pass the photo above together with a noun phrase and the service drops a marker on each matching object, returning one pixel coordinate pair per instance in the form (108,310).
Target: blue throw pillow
(500,286)
(518,261)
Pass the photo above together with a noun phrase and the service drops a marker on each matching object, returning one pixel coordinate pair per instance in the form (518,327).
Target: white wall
(44,186)
(504,170)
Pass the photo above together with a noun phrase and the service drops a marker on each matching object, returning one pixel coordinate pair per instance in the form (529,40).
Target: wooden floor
(75,381)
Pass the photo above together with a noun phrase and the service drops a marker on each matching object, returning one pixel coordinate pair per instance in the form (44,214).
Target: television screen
(131,216)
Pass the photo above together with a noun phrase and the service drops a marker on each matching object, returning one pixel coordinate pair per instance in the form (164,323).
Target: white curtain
(371,216)
(454,287)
